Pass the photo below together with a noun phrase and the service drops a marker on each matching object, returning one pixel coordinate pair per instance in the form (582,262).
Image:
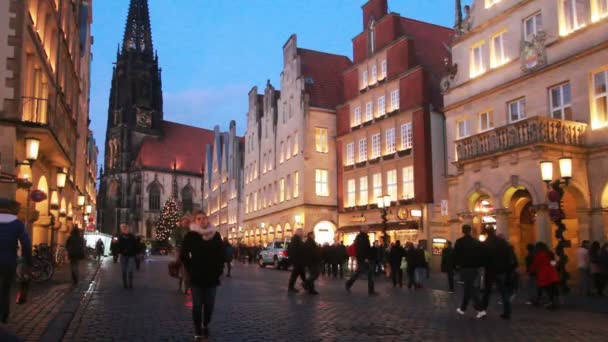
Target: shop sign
(358,219)
(438,244)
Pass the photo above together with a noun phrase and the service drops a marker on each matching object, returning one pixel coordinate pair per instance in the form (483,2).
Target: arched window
(154,199)
(187,204)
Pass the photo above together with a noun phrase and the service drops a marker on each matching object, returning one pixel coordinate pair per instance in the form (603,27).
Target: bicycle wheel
(46,270)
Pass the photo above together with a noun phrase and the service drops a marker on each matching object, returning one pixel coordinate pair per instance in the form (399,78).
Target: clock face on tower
(144,117)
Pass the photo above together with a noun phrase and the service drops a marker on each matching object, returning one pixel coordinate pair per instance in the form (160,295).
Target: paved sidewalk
(46,300)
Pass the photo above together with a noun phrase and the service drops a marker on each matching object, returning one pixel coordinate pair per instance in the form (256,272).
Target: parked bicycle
(42,268)
(60,255)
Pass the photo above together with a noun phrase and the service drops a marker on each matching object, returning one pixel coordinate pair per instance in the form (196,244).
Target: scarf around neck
(206,232)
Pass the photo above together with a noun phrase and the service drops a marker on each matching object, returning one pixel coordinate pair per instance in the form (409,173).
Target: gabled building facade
(223,182)
(290,153)
(390,131)
(529,84)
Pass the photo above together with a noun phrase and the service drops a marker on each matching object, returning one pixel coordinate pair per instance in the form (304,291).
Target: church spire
(138,33)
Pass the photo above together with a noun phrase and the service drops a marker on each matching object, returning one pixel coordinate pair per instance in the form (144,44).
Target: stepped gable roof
(322,74)
(180,144)
(430,43)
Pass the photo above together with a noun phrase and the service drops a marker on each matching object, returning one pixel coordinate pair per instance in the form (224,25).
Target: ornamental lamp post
(384,202)
(32,149)
(555,196)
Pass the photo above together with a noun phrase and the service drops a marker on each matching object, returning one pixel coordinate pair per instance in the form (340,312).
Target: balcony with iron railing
(55,128)
(530,131)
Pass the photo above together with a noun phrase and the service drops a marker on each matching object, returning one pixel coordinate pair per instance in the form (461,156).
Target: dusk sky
(213,51)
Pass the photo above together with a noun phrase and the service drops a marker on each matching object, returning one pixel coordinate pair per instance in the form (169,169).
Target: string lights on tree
(169,219)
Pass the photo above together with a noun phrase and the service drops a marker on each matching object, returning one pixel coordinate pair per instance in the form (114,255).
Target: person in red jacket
(546,274)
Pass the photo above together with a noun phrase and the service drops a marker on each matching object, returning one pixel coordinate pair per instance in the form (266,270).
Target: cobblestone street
(253,306)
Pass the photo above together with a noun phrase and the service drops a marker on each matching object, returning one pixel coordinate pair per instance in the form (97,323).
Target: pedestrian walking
(597,271)
(202,254)
(546,275)
(312,254)
(75,247)
(342,256)
(127,248)
(410,265)
(468,258)
(99,249)
(141,249)
(334,258)
(12,231)
(295,252)
(421,266)
(364,258)
(228,255)
(531,287)
(447,264)
(584,275)
(395,255)
(498,259)
(115,249)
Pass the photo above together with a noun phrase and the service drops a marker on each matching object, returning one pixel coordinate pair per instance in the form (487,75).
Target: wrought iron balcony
(530,131)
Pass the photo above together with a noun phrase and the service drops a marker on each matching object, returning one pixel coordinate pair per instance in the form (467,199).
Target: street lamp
(555,195)
(384,202)
(88,209)
(32,148)
(81,200)
(61,178)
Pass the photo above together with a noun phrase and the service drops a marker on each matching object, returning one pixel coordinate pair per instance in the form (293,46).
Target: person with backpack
(364,261)
(75,247)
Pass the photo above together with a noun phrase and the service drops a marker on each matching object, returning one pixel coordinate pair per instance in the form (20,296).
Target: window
(374,74)
(247,204)
(321,139)
(406,136)
(381,106)
(276,192)
(601,10)
(288,188)
(486,121)
(391,184)
(350,193)
(321,182)
(364,79)
(408,182)
(600,98)
(296,146)
(296,184)
(264,198)
(476,67)
(281,190)
(383,70)
(187,202)
(532,25)
(357,116)
(264,163)
(154,200)
(390,141)
(363,150)
(363,196)
(376,145)
(497,50)
(462,129)
(377,181)
(368,111)
(288,149)
(394,100)
(281,154)
(350,153)
(517,110)
(255,201)
(559,98)
(574,15)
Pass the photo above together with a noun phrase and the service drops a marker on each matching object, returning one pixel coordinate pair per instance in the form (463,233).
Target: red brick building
(390,133)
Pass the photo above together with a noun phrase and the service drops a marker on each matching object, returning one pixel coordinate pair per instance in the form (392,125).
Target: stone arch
(187,195)
(604,197)
(287,232)
(43,206)
(154,190)
(574,188)
(509,188)
(474,194)
(279,232)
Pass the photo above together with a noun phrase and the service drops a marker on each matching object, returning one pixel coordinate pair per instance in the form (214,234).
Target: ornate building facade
(390,132)
(147,159)
(223,182)
(290,152)
(44,113)
(529,84)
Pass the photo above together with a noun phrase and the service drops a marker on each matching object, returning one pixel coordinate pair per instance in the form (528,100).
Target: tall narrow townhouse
(529,84)
(390,131)
(290,154)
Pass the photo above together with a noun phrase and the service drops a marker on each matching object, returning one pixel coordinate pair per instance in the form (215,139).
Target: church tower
(136,105)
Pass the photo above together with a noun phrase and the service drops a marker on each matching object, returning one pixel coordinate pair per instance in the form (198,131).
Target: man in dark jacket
(364,261)
(11,231)
(342,256)
(312,256)
(203,256)
(75,247)
(295,253)
(447,264)
(468,257)
(127,248)
(499,265)
(395,255)
(229,255)
(114,249)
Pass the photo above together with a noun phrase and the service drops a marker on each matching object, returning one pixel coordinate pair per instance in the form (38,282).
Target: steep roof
(430,42)
(322,73)
(179,143)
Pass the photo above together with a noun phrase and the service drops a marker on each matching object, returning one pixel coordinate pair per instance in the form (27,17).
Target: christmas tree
(169,219)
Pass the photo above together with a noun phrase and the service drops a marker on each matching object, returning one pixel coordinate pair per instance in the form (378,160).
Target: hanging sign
(37,196)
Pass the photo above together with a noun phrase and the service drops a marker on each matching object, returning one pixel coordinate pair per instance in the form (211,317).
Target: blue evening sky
(213,51)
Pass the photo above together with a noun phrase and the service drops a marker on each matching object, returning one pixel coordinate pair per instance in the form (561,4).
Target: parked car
(275,254)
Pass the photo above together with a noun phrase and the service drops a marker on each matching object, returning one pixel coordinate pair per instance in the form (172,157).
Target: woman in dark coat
(447,264)
(312,255)
(75,247)
(395,255)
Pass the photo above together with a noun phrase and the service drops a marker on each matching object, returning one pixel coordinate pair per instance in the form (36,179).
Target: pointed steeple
(138,33)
